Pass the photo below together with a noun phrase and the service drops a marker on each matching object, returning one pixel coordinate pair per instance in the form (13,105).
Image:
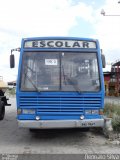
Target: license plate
(88,124)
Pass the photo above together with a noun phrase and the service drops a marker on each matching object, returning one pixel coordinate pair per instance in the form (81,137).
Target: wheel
(2,110)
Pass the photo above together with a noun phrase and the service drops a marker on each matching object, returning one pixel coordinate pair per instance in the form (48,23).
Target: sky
(73,18)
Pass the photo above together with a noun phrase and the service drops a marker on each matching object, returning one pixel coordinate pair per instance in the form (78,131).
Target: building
(112,80)
(12,84)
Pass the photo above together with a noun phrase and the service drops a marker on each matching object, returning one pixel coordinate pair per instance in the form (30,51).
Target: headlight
(37,118)
(94,111)
(28,111)
(88,111)
(82,117)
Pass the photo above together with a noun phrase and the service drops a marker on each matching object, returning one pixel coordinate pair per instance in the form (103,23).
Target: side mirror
(103,60)
(12,61)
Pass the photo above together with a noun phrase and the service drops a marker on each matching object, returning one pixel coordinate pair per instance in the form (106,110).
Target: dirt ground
(14,140)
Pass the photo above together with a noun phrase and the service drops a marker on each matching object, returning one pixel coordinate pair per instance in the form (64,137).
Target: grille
(60,105)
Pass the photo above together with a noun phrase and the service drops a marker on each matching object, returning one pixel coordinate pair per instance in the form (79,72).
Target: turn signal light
(19,111)
(101,112)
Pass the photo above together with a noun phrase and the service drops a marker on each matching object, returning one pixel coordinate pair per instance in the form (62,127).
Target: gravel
(14,140)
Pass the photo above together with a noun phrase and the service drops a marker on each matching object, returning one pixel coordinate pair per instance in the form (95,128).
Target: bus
(60,83)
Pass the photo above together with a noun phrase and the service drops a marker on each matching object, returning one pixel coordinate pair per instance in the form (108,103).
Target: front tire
(2,110)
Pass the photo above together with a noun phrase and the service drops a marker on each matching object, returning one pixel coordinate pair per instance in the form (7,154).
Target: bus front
(60,83)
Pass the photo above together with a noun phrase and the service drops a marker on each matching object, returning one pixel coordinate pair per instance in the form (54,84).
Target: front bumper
(52,124)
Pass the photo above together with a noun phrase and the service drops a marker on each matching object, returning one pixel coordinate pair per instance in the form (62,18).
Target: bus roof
(60,38)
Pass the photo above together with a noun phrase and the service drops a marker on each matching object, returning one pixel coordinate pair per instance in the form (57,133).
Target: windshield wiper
(35,87)
(32,83)
(71,81)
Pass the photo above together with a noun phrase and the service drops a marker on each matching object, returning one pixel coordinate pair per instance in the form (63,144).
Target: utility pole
(104,14)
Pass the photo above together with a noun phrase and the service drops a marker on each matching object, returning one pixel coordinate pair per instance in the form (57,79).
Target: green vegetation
(113,111)
(11,91)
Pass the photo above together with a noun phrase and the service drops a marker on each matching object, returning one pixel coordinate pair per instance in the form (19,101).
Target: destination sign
(59,44)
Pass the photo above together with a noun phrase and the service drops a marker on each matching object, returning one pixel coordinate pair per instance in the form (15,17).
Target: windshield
(60,71)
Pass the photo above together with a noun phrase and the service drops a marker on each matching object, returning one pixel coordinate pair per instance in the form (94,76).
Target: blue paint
(60,105)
